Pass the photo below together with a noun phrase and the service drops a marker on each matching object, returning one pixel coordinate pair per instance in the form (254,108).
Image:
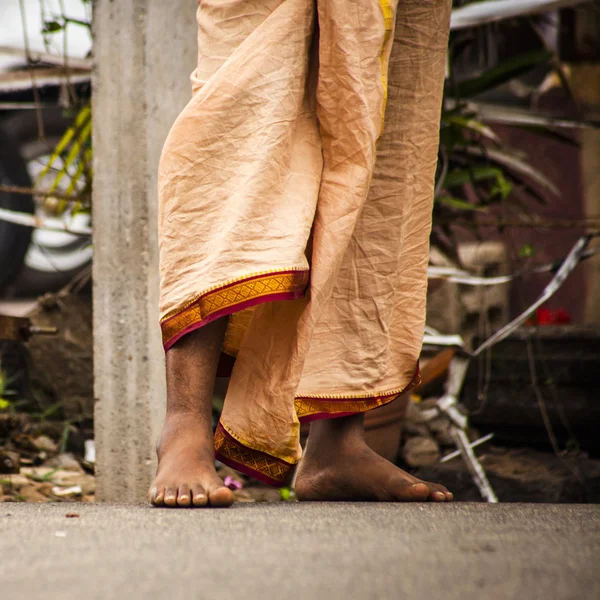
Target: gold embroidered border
(273,470)
(306,407)
(335,404)
(388,17)
(232,295)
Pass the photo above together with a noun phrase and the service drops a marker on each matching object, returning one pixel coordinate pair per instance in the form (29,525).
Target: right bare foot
(186,475)
(338,465)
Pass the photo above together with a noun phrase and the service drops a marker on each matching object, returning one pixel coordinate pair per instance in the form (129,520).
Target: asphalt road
(284,551)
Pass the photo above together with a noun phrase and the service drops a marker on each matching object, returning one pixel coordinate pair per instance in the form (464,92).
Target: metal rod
(476,443)
(477,471)
(42,330)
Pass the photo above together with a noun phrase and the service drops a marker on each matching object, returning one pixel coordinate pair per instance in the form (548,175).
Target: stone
(14,482)
(440,429)
(69,492)
(65,462)
(36,472)
(421,452)
(31,493)
(9,461)
(44,443)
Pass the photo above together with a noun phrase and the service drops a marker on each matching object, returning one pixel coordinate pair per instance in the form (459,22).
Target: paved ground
(281,551)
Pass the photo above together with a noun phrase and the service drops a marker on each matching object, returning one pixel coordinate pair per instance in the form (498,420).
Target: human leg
(186,473)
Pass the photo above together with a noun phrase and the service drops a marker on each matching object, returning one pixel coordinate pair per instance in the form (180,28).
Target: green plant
(5,391)
(477,171)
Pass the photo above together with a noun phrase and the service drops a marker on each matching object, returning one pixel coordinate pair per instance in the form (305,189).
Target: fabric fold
(302,170)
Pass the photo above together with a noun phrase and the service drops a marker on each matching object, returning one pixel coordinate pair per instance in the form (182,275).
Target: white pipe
(481,13)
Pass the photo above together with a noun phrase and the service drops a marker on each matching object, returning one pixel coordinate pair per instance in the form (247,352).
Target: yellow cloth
(268,177)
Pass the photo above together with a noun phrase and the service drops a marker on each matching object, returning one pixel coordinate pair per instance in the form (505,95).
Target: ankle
(186,415)
(337,435)
(183,425)
(186,436)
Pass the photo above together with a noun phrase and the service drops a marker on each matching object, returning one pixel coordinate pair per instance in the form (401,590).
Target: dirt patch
(523,475)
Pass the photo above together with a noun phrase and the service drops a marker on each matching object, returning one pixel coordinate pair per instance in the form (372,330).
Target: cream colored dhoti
(286,204)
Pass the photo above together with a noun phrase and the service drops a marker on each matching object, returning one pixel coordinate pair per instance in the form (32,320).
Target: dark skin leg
(338,465)
(186,474)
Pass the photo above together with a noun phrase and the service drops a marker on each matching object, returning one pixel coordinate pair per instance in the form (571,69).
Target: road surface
(289,550)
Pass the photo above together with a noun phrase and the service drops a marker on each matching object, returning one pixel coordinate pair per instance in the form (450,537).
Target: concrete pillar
(144,53)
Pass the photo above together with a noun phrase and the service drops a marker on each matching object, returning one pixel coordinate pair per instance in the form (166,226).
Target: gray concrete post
(144,53)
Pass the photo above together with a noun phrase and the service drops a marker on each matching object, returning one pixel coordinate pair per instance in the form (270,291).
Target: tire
(32,279)
(14,239)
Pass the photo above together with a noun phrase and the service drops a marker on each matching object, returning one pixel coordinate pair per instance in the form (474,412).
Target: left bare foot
(186,466)
(338,465)
(186,473)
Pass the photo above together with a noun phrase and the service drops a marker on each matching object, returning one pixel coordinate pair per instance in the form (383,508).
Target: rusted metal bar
(20,329)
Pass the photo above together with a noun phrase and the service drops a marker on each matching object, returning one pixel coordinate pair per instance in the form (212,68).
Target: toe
(157,496)
(184,496)
(438,496)
(440,493)
(409,491)
(221,496)
(419,491)
(171,496)
(199,497)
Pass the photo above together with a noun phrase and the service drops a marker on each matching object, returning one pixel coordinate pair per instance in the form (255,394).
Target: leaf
(552,134)
(460,177)
(474,125)
(51,410)
(526,251)
(52,27)
(502,188)
(4,403)
(516,164)
(499,74)
(460,204)
(510,115)
(64,438)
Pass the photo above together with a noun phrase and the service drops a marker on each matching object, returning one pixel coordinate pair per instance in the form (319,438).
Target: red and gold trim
(232,297)
(260,465)
(313,408)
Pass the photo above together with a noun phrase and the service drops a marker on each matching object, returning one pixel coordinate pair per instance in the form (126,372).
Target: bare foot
(186,473)
(338,465)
